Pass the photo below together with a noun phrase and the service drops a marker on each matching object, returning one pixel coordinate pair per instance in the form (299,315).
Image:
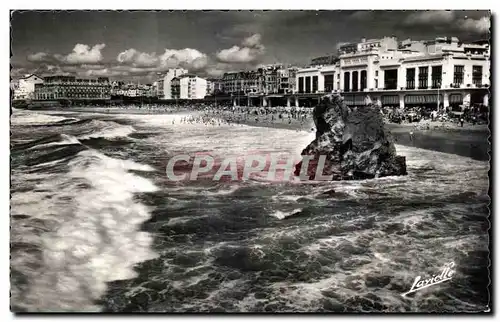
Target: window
(355,81)
(477,75)
(301,84)
(328,83)
(363,80)
(315,84)
(376,83)
(410,78)
(376,73)
(347,81)
(458,75)
(422,77)
(308,84)
(391,79)
(437,72)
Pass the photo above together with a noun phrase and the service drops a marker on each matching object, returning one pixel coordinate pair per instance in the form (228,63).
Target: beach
(469,141)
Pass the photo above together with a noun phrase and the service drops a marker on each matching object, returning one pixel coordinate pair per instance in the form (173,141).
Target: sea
(96,224)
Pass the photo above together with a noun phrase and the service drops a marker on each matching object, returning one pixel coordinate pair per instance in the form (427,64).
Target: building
(309,81)
(188,86)
(242,83)
(72,88)
(442,72)
(271,78)
(164,83)
(266,80)
(25,87)
(286,80)
(324,60)
(154,89)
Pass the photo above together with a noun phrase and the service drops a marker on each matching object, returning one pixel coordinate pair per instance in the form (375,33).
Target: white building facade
(442,72)
(188,87)
(25,88)
(164,88)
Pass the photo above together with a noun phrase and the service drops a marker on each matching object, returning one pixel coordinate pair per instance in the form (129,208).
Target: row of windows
(56,96)
(357,78)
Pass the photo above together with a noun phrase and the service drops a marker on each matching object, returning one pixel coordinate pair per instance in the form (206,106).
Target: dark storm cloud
(141,44)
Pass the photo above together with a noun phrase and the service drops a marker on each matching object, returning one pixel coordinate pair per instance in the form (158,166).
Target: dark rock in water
(328,193)
(352,144)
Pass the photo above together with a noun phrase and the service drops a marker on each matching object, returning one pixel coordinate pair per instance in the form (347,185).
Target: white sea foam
(65,140)
(94,237)
(31,118)
(284,214)
(112,131)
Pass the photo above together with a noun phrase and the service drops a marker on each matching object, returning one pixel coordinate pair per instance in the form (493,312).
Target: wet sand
(469,141)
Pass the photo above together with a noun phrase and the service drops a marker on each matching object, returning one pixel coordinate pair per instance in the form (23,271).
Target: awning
(390,99)
(359,100)
(455,98)
(349,100)
(422,99)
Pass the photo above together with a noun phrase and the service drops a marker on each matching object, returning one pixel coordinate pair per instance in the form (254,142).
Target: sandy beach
(469,140)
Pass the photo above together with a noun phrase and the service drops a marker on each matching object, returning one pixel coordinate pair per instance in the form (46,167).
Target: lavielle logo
(420,283)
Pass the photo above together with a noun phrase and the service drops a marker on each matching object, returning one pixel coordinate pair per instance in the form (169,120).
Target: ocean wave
(65,140)
(110,130)
(84,226)
(285,214)
(31,118)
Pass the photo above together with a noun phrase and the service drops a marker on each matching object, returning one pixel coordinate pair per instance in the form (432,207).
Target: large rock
(354,141)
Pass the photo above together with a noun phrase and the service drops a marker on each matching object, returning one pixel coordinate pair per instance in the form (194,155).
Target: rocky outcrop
(354,143)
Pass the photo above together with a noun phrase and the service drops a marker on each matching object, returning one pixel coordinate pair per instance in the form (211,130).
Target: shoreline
(468,141)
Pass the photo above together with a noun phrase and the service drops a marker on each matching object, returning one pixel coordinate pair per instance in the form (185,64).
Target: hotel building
(24,88)
(242,83)
(188,86)
(403,74)
(164,86)
(286,80)
(72,88)
(214,86)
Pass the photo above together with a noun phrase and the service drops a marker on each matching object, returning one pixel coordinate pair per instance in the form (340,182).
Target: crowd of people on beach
(217,114)
(299,118)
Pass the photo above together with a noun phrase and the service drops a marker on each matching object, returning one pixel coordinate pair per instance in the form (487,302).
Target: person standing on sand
(461,122)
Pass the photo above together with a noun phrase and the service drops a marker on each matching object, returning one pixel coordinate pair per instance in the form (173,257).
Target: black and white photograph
(251,161)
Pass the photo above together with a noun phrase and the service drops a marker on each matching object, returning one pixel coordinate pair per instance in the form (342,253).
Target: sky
(136,46)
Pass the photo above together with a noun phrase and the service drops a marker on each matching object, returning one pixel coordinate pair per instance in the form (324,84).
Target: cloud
(252,41)
(215,72)
(84,54)
(449,19)
(107,72)
(81,54)
(361,15)
(340,44)
(39,57)
(188,58)
(141,62)
(430,17)
(250,51)
(135,58)
(481,25)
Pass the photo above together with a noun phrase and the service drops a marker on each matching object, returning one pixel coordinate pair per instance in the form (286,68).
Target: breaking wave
(75,220)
